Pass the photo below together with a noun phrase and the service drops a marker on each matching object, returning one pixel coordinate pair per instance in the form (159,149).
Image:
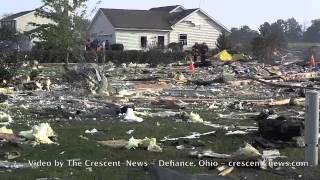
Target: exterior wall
(131,39)
(22,22)
(199,28)
(102,29)
(9,24)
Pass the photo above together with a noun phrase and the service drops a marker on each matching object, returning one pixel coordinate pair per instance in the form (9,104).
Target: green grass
(75,147)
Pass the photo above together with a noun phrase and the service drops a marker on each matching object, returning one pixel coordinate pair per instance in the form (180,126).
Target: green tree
(272,37)
(242,35)
(293,30)
(241,38)
(66,30)
(223,42)
(313,32)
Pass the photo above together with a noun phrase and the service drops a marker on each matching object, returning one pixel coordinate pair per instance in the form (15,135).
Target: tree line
(270,37)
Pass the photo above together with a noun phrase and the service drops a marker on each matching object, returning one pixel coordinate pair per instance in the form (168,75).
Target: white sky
(231,13)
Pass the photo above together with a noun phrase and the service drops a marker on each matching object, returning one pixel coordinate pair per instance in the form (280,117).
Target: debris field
(169,121)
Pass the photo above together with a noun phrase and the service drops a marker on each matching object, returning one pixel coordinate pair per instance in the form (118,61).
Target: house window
(183,39)
(161,42)
(143,41)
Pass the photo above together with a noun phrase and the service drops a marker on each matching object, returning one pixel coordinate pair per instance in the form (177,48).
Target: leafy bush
(153,57)
(175,47)
(117,47)
(200,50)
(9,65)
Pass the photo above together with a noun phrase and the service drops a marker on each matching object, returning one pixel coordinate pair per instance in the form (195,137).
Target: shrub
(117,47)
(153,57)
(175,47)
(9,65)
(200,50)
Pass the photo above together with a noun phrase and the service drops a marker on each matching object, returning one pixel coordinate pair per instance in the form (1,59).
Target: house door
(161,42)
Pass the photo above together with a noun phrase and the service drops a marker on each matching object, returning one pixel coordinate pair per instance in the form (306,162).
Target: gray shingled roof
(177,16)
(144,19)
(139,19)
(164,8)
(14,16)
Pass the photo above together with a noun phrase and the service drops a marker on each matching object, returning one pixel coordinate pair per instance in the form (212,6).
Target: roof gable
(223,28)
(14,16)
(176,17)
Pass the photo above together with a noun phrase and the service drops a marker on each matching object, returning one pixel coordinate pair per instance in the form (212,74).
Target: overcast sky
(231,13)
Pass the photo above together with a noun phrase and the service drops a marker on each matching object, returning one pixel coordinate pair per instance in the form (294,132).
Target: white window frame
(183,41)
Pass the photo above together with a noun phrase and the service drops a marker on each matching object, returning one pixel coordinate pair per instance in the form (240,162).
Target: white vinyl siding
(198,28)
(102,29)
(131,39)
(22,22)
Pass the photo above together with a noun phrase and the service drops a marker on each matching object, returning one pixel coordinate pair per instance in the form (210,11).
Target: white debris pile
(5,118)
(225,170)
(41,134)
(131,117)
(134,65)
(149,143)
(125,92)
(4,130)
(272,154)
(158,114)
(195,118)
(192,117)
(94,130)
(247,152)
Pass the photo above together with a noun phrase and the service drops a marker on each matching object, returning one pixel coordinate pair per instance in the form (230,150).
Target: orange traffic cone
(191,67)
(312,61)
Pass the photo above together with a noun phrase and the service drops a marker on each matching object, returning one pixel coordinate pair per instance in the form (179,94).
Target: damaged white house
(20,22)
(142,29)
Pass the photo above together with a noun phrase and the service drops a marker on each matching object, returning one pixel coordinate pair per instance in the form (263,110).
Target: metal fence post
(312,127)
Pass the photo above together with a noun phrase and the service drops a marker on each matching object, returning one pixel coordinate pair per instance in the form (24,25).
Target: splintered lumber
(239,82)
(288,101)
(10,138)
(300,76)
(282,85)
(281,102)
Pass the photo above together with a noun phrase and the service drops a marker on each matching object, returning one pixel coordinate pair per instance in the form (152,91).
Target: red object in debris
(312,61)
(191,67)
